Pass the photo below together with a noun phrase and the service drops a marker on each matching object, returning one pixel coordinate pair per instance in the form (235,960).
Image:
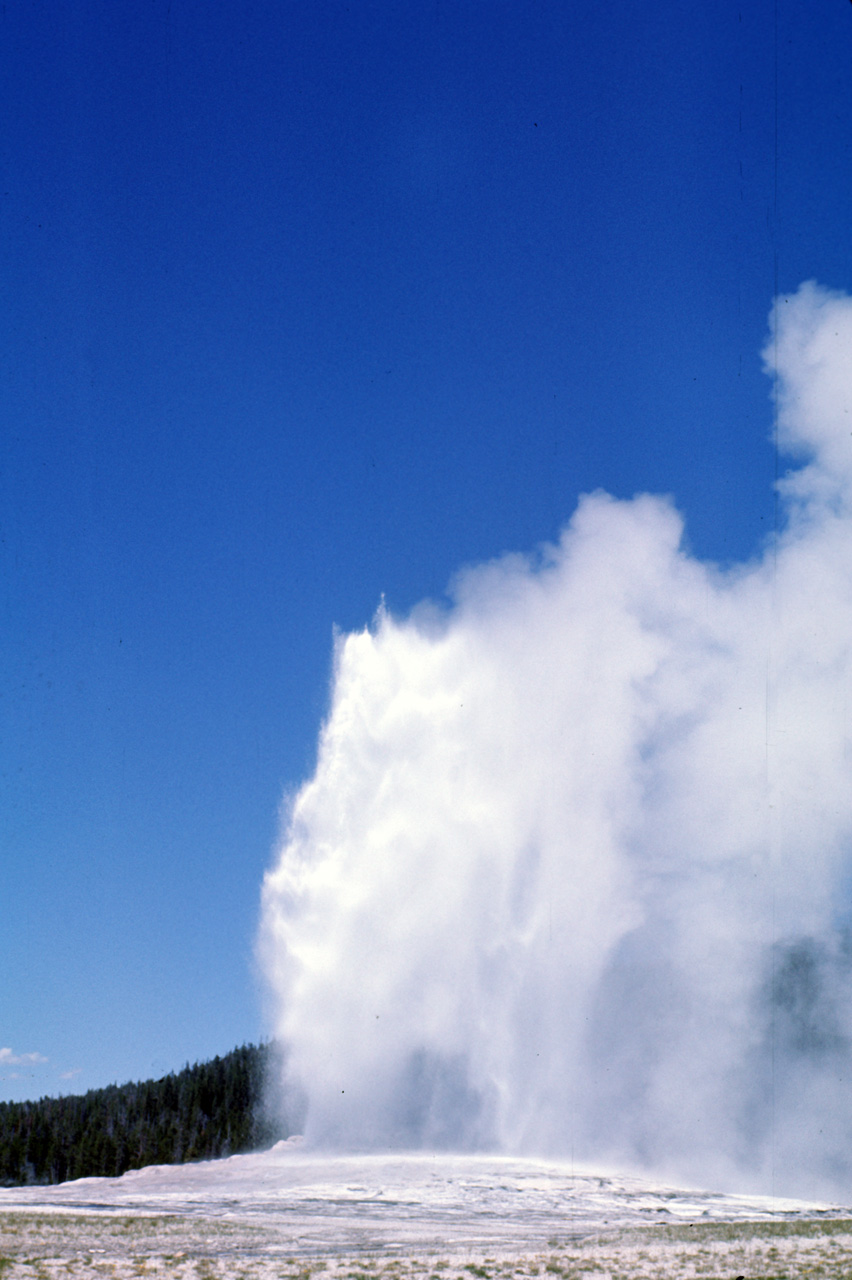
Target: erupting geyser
(572,874)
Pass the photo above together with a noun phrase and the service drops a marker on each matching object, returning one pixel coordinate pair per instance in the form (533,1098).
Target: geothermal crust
(290,1213)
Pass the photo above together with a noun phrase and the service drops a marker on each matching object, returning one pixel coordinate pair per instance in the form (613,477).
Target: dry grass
(98,1246)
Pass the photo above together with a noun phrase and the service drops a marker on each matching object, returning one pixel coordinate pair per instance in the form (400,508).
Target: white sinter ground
(314,1203)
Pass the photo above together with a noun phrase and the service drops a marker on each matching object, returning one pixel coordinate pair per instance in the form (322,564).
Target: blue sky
(303,305)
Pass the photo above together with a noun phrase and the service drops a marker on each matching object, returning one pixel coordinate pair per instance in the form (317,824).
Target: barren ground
(288,1214)
(97,1246)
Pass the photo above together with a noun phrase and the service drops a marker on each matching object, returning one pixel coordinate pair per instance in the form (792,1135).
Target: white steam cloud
(573,872)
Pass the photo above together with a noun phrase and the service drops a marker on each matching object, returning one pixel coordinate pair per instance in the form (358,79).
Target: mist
(572,876)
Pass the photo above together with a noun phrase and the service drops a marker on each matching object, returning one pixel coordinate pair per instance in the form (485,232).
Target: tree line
(203,1112)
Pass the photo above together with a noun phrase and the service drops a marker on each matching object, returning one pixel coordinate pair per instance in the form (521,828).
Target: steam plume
(572,874)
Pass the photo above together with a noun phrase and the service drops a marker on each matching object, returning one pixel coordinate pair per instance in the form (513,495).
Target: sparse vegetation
(89,1246)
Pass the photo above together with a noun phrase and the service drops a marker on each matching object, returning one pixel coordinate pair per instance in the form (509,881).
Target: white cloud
(19,1059)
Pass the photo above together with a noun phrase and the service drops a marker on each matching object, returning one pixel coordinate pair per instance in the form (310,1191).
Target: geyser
(572,874)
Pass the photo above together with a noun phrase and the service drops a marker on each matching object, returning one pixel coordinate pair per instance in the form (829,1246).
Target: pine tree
(203,1112)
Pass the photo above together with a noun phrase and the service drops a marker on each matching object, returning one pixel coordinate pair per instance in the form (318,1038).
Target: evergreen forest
(203,1112)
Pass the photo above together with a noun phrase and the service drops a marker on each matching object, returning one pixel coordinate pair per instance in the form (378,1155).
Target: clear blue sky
(307,303)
